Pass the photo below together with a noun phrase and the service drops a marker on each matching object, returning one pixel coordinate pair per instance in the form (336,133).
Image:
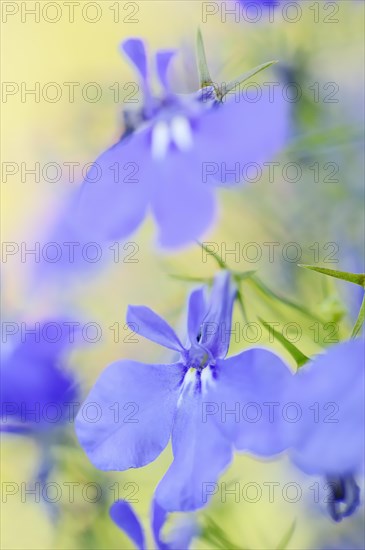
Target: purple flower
(175,150)
(36,389)
(181,536)
(204,401)
(328,438)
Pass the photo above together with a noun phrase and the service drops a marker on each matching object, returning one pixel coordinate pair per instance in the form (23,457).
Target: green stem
(205,78)
(359,320)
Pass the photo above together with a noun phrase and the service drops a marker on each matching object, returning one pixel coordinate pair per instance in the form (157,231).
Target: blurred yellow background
(63,131)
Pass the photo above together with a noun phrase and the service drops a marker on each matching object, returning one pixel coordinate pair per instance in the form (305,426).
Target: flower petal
(135,50)
(196,313)
(201,453)
(182,206)
(183,532)
(247,401)
(240,133)
(158,520)
(125,518)
(114,195)
(163,59)
(265,3)
(328,437)
(218,319)
(181,535)
(35,388)
(126,419)
(147,323)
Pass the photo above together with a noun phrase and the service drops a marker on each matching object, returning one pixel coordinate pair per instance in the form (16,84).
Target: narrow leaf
(214,255)
(241,275)
(245,76)
(336,137)
(297,355)
(268,293)
(205,78)
(190,279)
(238,277)
(287,537)
(360,320)
(356,278)
(241,303)
(210,538)
(214,529)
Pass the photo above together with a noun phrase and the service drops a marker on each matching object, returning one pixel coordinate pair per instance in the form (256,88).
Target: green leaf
(214,533)
(287,537)
(241,303)
(297,355)
(238,277)
(241,79)
(356,278)
(189,279)
(205,78)
(339,136)
(270,294)
(360,320)
(242,275)
(214,255)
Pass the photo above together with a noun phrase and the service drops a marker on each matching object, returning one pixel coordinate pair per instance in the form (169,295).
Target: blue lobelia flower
(328,437)
(207,403)
(175,150)
(37,392)
(180,537)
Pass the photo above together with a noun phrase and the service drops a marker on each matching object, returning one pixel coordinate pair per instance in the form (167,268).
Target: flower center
(165,133)
(344,496)
(199,358)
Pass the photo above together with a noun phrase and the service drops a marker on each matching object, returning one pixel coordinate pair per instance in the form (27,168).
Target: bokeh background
(323,52)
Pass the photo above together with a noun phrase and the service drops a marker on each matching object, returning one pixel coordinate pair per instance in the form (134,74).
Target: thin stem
(359,320)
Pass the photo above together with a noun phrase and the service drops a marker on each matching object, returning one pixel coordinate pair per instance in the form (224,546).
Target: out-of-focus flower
(328,438)
(174,151)
(181,534)
(37,392)
(265,3)
(202,400)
